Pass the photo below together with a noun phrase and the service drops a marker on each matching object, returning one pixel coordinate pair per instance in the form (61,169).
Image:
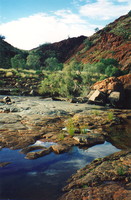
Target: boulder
(126,81)
(108,85)
(116,99)
(90,139)
(7,99)
(98,98)
(120,84)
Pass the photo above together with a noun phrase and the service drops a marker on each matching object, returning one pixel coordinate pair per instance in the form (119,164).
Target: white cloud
(27,33)
(30,32)
(105,9)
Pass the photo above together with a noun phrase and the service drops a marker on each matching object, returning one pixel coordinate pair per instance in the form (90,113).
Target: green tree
(18,62)
(112,71)
(33,60)
(2,37)
(96,29)
(52,64)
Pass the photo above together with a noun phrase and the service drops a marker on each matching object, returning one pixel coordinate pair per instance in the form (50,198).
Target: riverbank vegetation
(65,80)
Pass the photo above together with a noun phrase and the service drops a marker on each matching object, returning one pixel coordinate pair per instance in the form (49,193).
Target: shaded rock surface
(106,178)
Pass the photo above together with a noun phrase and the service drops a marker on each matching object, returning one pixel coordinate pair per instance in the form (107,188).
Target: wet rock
(105,178)
(31,148)
(60,148)
(38,154)
(90,139)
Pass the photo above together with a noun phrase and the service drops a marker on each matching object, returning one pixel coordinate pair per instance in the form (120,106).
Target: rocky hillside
(63,50)
(113,41)
(7,51)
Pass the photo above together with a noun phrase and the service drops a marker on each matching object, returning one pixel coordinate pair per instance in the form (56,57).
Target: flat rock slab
(90,139)
(106,178)
(38,154)
(60,148)
(31,148)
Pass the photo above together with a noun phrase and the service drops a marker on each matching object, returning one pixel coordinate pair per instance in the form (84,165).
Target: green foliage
(61,136)
(110,116)
(113,71)
(70,127)
(2,37)
(129,13)
(75,78)
(109,67)
(50,85)
(6,53)
(88,44)
(120,170)
(83,129)
(33,60)
(122,31)
(73,66)
(52,64)
(18,61)
(96,112)
(1,83)
(96,29)
(109,61)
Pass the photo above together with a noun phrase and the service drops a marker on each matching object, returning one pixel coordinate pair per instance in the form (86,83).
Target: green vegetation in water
(83,129)
(70,127)
(110,116)
(121,170)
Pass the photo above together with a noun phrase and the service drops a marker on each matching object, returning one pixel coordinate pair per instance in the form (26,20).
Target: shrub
(110,116)
(8,74)
(70,127)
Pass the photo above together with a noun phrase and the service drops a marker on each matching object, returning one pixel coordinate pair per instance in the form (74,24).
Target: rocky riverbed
(24,120)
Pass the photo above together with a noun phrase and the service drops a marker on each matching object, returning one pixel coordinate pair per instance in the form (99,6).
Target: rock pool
(43,179)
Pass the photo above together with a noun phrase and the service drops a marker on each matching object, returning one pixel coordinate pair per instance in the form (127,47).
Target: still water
(43,178)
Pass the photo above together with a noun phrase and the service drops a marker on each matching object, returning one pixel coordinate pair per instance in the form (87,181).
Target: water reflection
(43,178)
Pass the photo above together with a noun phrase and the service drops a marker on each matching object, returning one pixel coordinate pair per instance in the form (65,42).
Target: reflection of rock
(38,154)
(3,164)
(106,178)
(31,148)
(90,139)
